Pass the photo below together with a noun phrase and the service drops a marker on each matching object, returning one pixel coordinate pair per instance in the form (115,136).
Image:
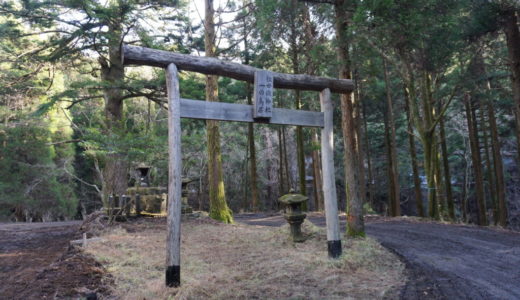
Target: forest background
(431,129)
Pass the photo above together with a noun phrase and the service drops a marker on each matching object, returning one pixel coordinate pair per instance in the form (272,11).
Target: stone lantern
(185,207)
(293,214)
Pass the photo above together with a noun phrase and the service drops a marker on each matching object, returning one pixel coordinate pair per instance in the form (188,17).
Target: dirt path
(443,261)
(25,247)
(36,262)
(463,262)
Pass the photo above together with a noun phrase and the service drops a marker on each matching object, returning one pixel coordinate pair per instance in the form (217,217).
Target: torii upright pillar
(173,238)
(329,184)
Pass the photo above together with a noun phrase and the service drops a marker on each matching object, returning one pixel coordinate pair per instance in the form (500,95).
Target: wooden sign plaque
(263,95)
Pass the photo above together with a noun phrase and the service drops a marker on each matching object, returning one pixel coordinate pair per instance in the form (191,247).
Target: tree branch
(74,102)
(63,142)
(444,108)
(319,1)
(84,182)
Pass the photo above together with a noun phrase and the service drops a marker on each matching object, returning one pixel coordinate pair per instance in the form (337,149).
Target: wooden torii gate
(260,112)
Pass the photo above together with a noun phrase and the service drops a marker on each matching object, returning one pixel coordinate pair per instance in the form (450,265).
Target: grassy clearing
(246,262)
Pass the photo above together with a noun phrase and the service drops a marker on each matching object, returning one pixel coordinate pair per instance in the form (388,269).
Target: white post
(173,238)
(329,184)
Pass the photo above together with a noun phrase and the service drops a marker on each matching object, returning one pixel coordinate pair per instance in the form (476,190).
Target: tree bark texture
(300,152)
(513,46)
(358,120)
(447,175)
(490,172)
(112,71)
(441,196)
(464,200)
(355,222)
(251,133)
(286,162)
(370,177)
(429,141)
(281,181)
(413,157)
(478,70)
(499,167)
(217,196)
(294,50)
(393,174)
(252,156)
(476,161)
(318,180)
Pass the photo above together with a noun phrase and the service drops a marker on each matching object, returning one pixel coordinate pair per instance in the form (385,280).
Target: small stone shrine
(153,200)
(146,198)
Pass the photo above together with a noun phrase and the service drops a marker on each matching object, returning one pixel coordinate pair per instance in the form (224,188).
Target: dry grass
(246,262)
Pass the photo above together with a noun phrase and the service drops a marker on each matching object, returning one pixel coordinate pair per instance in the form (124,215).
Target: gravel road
(443,261)
(452,261)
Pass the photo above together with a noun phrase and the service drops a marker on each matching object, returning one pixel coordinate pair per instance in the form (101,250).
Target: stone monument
(294,215)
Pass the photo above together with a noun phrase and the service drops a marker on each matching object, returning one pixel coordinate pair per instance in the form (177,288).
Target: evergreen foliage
(68,110)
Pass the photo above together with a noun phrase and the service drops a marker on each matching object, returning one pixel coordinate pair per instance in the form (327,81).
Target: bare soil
(443,261)
(36,262)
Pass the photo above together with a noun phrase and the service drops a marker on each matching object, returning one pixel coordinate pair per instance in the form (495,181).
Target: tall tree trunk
(358,121)
(499,196)
(112,71)
(490,176)
(217,196)
(441,197)
(425,125)
(281,182)
(476,160)
(393,173)
(245,203)
(429,141)
(369,161)
(269,170)
(464,200)
(318,181)
(499,168)
(516,113)
(355,222)
(300,152)
(252,157)
(513,46)
(429,169)
(252,164)
(389,168)
(446,167)
(413,156)
(297,98)
(478,70)
(310,35)
(251,132)
(286,162)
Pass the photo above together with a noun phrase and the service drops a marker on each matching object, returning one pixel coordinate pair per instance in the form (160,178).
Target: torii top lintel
(134,55)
